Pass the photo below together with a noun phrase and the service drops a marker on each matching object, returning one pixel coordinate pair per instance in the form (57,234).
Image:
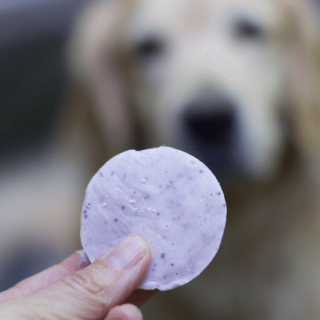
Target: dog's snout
(210,122)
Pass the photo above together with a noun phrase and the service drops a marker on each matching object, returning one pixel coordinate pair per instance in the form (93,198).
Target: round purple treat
(164,195)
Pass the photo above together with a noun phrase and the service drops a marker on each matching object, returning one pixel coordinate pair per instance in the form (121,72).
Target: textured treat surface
(165,195)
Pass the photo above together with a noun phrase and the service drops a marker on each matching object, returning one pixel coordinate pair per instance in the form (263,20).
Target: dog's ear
(93,65)
(304,80)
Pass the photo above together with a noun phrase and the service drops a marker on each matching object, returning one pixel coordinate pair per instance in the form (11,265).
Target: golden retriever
(234,82)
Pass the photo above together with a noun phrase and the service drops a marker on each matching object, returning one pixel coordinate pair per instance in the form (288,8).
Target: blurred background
(32,39)
(33,87)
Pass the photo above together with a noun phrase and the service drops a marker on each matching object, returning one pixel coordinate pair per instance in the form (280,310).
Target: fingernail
(127,253)
(83,259)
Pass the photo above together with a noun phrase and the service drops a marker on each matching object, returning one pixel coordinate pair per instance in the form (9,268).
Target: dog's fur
(150,72)
(156,70)
(160,63)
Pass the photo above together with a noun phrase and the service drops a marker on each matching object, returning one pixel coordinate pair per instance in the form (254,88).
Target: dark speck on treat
(152,269)
(172,264)
(84,211)
(123,207)
(172,244)
(200,171)
(170,181)
(85,216)
(163,255)
(219,193)
(160,185)
(224,205)
(112,173)
(115,220)
(165,277)
(158,213)
(211,194)
(177,273)
(101,175)
(147,196)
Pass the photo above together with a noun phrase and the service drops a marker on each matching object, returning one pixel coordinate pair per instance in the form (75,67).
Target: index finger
(67,267)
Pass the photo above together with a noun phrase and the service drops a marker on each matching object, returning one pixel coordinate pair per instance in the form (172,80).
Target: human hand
(76,289)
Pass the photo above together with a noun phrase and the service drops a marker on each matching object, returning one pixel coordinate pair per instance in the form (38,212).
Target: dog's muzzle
(209,131)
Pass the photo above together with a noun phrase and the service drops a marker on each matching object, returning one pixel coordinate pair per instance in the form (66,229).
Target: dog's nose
(210,122)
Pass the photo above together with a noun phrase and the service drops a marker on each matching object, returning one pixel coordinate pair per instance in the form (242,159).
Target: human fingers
(89,293)
(124,312)
(67,267)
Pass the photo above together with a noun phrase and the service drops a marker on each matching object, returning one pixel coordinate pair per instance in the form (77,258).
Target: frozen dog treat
(168,197)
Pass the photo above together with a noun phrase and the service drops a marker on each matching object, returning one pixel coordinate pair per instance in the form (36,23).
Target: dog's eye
(250,30)
(148,48)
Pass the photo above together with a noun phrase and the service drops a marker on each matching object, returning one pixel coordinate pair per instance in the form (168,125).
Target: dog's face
(208,78)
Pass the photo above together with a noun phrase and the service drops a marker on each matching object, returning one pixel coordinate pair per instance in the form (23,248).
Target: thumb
(90,293)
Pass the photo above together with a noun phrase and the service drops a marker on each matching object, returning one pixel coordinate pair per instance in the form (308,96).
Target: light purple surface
(165,195)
